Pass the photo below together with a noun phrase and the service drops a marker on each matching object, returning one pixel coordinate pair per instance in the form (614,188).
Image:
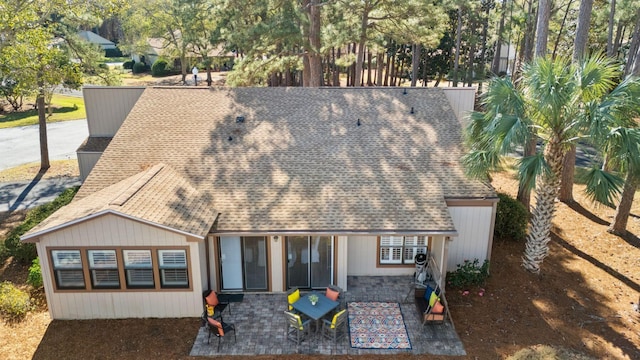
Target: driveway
(29,194)
(21,145)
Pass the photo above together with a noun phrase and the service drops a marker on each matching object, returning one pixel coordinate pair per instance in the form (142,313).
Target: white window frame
(173,267)
(138,268)
(401,250)
(67,265)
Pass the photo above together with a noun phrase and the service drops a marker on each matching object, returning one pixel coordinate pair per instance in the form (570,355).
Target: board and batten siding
(111,230)
(475,234)
(86,162)
(462,100)
(107,107)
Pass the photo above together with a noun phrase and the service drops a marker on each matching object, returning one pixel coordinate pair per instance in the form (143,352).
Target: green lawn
(65,108)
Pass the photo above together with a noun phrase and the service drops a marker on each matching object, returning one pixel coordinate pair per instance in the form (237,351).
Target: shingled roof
(158,196)
(300,160)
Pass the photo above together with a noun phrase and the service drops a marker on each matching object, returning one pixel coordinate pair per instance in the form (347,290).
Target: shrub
(128,65)
(14,303)
(26,252)
(511,219)
(111,53)
(35,274)
(469,273)
(139,68)
(160,68)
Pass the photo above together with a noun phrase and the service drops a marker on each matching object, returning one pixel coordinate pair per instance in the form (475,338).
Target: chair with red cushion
(212,306)
(219,329)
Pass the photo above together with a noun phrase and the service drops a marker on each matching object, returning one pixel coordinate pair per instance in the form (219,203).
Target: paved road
(21,145)
(28,194)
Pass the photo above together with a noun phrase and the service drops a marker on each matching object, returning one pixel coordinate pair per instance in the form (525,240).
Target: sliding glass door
(309,261)
(243,263)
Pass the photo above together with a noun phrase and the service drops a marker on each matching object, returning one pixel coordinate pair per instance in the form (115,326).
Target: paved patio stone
(260,325)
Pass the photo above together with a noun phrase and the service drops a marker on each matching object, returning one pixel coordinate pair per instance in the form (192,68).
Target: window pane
(105,259)
(105,278)
(70,279)
(173,258)
(68,259)
(174,278)
(140,278)
(137,258)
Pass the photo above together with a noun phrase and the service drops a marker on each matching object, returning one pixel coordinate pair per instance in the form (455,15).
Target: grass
(64,108)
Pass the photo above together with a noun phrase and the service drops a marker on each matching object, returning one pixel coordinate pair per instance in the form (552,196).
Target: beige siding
(462,100)
(111,230)
(474,234)
(341,264)
(86,162)
(107,107)
(363,255)
(276,263)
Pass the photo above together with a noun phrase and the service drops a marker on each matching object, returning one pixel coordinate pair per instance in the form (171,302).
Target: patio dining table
(323,306)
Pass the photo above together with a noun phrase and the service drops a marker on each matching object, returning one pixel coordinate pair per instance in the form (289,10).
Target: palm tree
(556,102)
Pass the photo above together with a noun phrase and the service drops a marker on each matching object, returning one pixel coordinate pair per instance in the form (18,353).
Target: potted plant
(313,298)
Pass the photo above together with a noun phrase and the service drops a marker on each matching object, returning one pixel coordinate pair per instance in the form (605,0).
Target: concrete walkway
(28,194)
(261,325)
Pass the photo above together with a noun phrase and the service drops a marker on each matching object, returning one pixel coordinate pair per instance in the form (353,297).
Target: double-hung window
(401,250)
(138,268)
(67,267)
(173,268)
(103,266)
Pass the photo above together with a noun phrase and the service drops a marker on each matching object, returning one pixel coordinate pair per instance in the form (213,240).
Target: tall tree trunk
(616,42)
(336,74)
(387,72)
(369,80)
(612,22)
(619,224)
(313,75)
(363,39)
(495,65)
(633,60)
(456,61)
(415,63)
(580,45)
(524,195)
(537,245)
(42,127)
(542,27)
(470,62)
(353,67)
(483,52)
(564,21)
(379,68)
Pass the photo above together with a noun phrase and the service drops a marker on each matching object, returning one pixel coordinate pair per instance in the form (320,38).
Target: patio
(260,325)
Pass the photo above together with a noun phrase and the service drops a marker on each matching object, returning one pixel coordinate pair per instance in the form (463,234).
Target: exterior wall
(462,100)
(475,234)
(86,162)
(341,264)
(107,107)
(111,230)
(276,263)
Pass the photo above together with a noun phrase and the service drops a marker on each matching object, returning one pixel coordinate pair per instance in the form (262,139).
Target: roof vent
(404,91)
(411,110)
(230,138)
(358,123)
(239,119)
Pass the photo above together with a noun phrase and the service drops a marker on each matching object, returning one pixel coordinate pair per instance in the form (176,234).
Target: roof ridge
(128,193)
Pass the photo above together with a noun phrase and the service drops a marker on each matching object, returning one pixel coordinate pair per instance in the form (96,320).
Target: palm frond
(478,163)
(624,145)
(596,75)
(603,187)
(530,168)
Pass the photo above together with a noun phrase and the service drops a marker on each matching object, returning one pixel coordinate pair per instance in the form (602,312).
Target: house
(94,38)
(160,47)
(261,190)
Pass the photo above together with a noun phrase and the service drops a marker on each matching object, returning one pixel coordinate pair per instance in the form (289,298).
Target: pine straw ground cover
(580,307)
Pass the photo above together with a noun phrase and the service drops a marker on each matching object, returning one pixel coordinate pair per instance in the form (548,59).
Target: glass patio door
(309,261)
(243,263)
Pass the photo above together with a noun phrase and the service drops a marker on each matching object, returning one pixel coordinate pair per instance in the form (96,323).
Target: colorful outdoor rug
(377,325)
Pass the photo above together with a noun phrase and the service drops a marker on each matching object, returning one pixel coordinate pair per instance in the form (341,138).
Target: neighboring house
(159,47)
(507,58)
(97,39)
(261,190)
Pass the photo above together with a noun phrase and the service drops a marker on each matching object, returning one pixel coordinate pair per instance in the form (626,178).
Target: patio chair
(212,306)
(336,327)
(293,295)
(297,330)
(336,293)
(219,329)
